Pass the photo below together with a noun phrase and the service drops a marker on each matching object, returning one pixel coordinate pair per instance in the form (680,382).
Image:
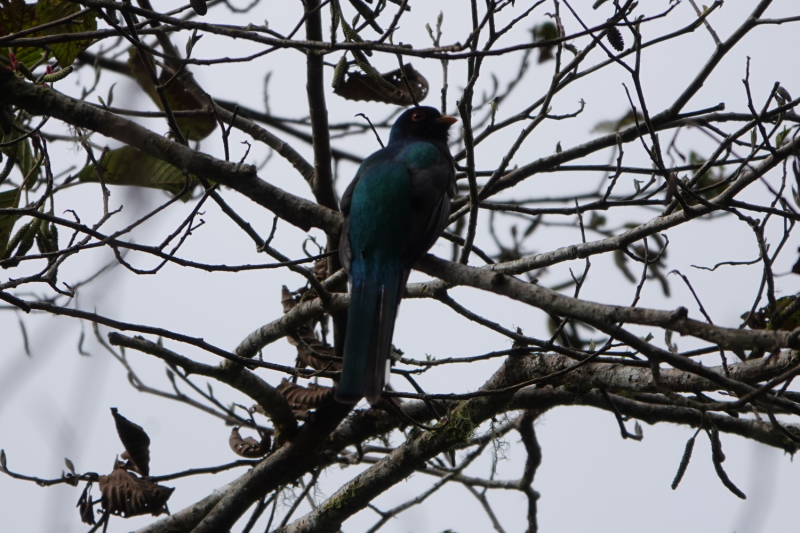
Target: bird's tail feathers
(377,368)
(368,341)
(364,295)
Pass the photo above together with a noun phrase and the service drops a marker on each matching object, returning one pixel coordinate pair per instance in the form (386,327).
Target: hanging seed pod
(42,244)
(53,237)
(25,71)
(26,242)
(199,6)
(57,76)
(615,38)
(352,35)
(47,238)
(15,240)
(25,238)
(687,455)
(11,160)
(375,76)
(339,71)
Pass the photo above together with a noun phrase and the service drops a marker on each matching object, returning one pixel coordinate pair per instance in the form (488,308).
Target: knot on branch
(681,313)
(498,280)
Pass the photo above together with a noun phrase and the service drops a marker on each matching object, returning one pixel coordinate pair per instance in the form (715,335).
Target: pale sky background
(56,402)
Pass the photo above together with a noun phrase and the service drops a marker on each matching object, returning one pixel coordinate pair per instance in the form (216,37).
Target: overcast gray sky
(56,402)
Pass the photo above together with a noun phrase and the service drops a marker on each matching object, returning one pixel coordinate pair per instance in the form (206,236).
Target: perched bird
(396,207)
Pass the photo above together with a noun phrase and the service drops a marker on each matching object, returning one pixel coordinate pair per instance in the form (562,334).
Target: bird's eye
(418,115)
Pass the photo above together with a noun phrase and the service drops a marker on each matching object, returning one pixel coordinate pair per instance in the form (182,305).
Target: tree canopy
(621,241)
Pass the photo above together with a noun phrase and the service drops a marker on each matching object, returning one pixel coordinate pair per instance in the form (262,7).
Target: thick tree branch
(399,464)
(41,100)
(322,184)
(605,315)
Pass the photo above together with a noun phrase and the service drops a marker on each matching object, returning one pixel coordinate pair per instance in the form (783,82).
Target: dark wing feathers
(374,302)
(432,189)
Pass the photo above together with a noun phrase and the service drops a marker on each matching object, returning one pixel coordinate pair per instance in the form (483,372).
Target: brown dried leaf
(248,446)
(195,127)
(124,494)
(306,334)
(287,300)
(304,398)
(317,347)
(359,86)
(320,269)
(136,442)
(86,506)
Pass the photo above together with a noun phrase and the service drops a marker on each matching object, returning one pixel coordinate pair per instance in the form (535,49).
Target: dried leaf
(287,300)
(305,333)
(86,505)
(248,446)
(304,398)
(124,494)
(320,269)
(310,358)
(70,466)
(360,87)
(195,128)
(136,442)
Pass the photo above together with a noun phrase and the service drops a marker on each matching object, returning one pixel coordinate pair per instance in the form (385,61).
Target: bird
(394,210)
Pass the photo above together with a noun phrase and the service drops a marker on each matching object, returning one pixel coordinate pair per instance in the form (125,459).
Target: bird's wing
(432,189)
(371,163)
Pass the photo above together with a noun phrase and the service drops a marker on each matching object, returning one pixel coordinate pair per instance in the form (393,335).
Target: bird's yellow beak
(447,120)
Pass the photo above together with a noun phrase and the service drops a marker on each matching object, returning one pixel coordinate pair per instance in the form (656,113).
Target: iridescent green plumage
(395,209)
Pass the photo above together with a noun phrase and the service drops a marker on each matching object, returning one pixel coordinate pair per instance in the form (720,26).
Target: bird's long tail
(370,324)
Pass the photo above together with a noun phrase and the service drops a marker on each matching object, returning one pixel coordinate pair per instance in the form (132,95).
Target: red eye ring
(417,116)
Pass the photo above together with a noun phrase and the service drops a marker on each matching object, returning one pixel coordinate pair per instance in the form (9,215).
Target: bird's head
(422,123)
